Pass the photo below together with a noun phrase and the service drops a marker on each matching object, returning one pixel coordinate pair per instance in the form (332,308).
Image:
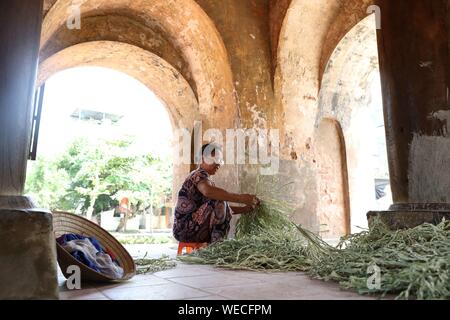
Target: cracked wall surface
(249,64)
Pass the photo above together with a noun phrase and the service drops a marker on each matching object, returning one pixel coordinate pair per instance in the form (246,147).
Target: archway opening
(333,207)
(105,152)
(351,95)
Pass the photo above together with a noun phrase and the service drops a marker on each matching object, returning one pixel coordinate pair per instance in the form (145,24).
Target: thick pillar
(20,28)
(413,47)
(27,244)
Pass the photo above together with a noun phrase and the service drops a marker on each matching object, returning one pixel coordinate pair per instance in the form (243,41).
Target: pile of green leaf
(272,215)
(414,263)
(144,266)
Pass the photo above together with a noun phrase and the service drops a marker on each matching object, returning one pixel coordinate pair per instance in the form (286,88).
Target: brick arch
(119,28)
(351,14)
(47,5)
(296,82)
(186,27)
(340,91)
(345,96)
(304,40)
(310,32)
(159,76)
(333,209)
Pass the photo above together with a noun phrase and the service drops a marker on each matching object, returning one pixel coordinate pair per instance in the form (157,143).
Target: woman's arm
(214,193)
(241,210)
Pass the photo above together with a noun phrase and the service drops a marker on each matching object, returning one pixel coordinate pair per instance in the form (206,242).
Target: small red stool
(190,246)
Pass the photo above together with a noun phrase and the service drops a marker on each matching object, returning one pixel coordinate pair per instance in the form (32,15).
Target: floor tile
(199,282)
(136,281)
(156,292)
(212,297)
(84,294)
(268,276)
(215,280)
(280,291)
(186,271)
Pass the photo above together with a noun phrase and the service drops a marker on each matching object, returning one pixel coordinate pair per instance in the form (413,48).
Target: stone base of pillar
(404,216)
(28,266)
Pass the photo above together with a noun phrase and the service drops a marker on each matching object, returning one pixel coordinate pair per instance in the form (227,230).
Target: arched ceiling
(303,36)
(181,23)
(278,10)
(124,29)
(296,79)
(159,76)
(348,17)
(47,5)
(347,78)
(310,33)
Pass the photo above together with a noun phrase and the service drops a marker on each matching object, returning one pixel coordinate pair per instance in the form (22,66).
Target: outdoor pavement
(199,282)
(152,251)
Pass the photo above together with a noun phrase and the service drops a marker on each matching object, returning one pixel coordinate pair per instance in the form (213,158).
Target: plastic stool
(190,246)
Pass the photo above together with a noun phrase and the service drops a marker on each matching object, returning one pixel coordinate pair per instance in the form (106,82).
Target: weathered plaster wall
(277,12)
(297,75)
(251,64)
(310,34)
(47,5)
(296,88)
(244,28)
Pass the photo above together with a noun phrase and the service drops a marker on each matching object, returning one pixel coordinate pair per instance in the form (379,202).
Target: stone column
(27,244)
(20,30)
(413,45)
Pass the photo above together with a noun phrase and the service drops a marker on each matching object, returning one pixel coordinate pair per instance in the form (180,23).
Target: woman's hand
(242,210)
(250,200)
(214,193)
(249,209)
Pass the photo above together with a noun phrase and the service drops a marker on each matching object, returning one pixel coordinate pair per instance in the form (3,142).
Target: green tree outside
(92,176)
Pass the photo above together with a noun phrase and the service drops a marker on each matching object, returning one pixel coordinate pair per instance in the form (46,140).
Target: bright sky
(104,90)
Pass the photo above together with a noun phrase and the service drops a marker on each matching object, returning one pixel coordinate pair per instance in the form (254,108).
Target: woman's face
(213,162)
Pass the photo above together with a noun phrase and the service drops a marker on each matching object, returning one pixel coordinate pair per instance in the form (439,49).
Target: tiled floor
(196,282)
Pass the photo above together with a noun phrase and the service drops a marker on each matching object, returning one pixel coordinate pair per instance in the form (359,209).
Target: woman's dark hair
(211,148)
